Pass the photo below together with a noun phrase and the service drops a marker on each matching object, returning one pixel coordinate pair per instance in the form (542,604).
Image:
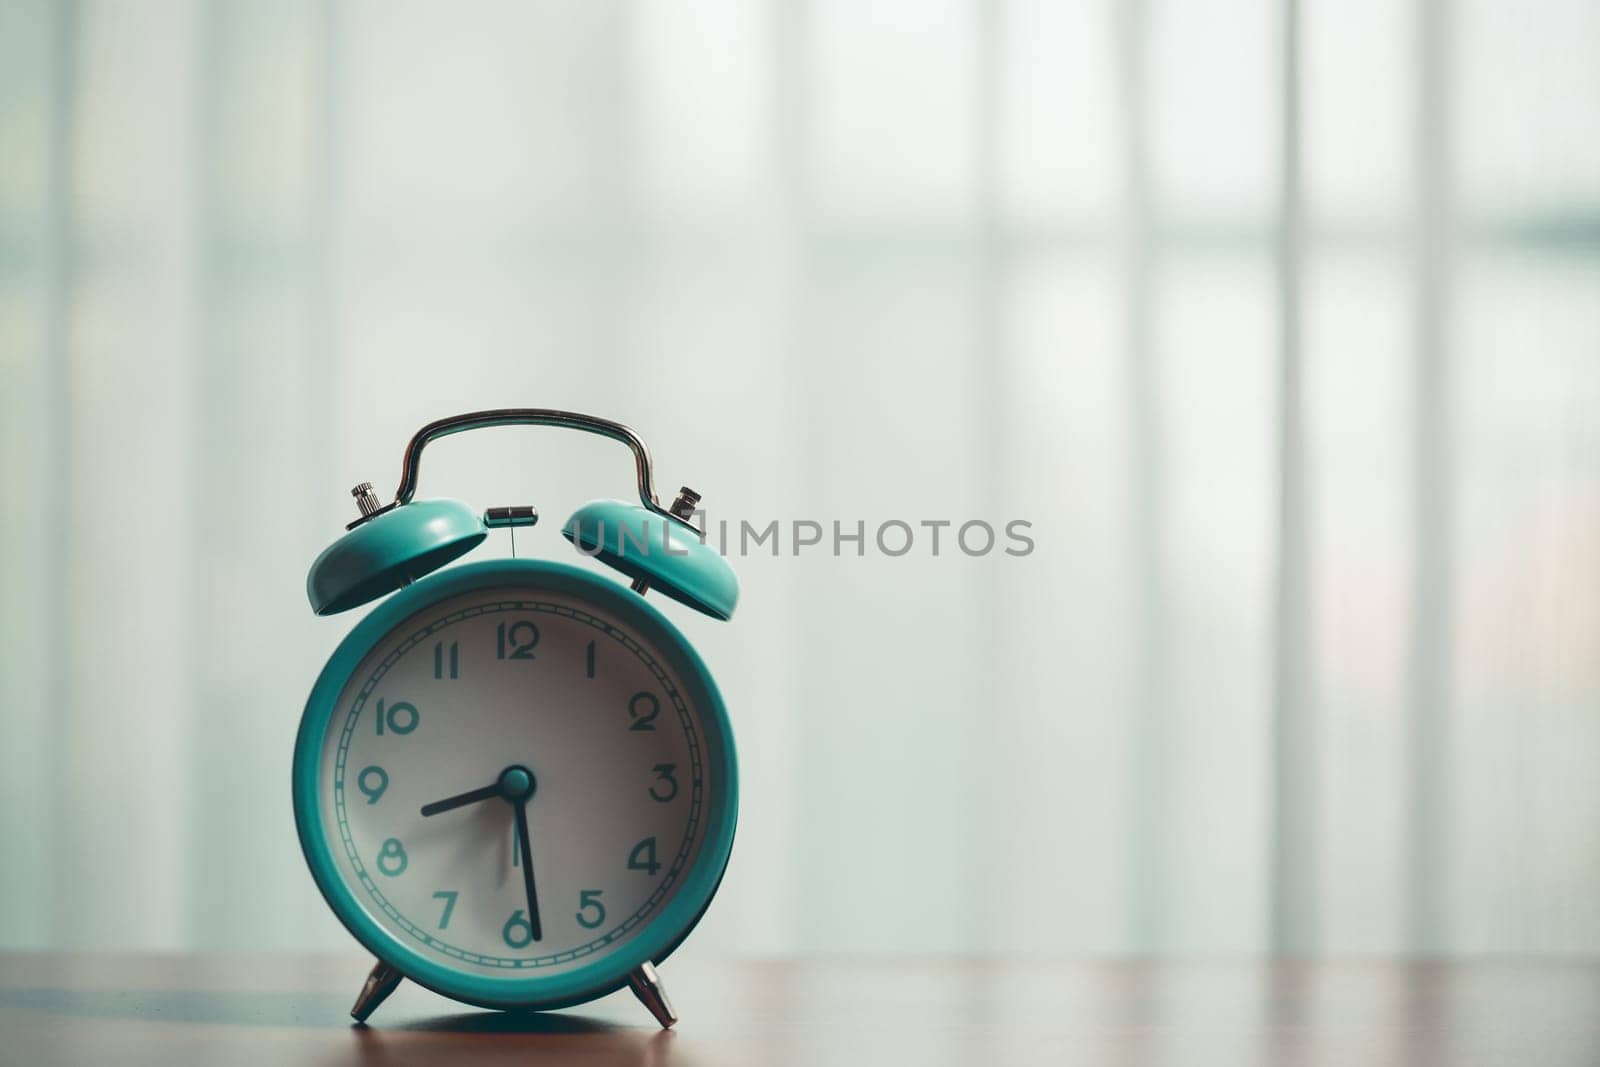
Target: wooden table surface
(286,1010)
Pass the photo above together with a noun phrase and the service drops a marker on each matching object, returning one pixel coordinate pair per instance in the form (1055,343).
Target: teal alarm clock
(514,781)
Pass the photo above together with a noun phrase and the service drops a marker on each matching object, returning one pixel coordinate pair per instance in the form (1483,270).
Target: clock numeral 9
(664,774)
(516,641)
(400,717)
(372,781)
(589,903)
(643,857)
(392,859)
(643,709)
(518,931)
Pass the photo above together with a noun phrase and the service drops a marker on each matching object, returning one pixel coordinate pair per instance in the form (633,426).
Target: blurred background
(1278,319)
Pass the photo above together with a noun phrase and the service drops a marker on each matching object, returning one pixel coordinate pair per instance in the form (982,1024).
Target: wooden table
(288,1010)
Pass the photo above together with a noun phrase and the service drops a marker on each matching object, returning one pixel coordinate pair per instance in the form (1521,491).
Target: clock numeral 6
(643,709)
(400,717)
(643,857)
(516,641)
(664,774)
(589,903)
(372,781)
(392,859)
(518,931)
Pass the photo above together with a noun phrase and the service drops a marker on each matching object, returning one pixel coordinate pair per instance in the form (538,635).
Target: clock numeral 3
(400,717)
(518,931)
(643,857)
(450,663)
(392,859)
(643,709)
(589,903)
(664,774)
(516,641)
(372,781)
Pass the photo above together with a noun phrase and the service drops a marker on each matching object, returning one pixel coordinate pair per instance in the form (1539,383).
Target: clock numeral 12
(516,641)
(439,664)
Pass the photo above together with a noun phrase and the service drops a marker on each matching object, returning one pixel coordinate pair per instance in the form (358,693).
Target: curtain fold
(1276,320)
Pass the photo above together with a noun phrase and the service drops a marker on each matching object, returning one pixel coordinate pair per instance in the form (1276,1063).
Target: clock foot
(379,984)
(646,985)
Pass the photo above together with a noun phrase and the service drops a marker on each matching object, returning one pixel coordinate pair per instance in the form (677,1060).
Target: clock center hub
(517,784)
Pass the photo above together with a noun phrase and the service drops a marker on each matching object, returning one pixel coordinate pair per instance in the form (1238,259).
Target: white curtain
(1278,319)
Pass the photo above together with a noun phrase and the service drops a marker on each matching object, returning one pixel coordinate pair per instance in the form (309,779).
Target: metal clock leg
(379,984)
(646,985)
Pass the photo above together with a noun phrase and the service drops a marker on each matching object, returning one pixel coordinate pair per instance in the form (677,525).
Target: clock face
(516,781)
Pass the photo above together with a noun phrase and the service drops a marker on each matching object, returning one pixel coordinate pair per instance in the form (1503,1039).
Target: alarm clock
(514,781)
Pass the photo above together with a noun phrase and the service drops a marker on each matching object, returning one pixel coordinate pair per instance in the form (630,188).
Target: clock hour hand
(461,800)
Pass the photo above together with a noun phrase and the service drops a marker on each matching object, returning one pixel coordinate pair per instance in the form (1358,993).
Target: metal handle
(569,420)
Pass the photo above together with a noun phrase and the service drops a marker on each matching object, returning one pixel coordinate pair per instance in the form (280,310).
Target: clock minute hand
(527,869)
(461,800)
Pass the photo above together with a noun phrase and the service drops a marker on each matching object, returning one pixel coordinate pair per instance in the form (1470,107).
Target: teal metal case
(664,932)
(665,552)
(398,546)
(392,550)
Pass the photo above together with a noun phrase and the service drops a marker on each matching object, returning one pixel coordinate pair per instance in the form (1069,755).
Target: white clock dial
(470,693)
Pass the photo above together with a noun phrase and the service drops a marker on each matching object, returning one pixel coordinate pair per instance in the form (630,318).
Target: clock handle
(567,420)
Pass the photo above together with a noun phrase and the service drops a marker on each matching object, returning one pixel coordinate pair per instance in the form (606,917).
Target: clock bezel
(662,933)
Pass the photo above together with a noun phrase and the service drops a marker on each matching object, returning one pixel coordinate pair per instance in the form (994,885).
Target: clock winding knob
(366,500)
(683,507)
